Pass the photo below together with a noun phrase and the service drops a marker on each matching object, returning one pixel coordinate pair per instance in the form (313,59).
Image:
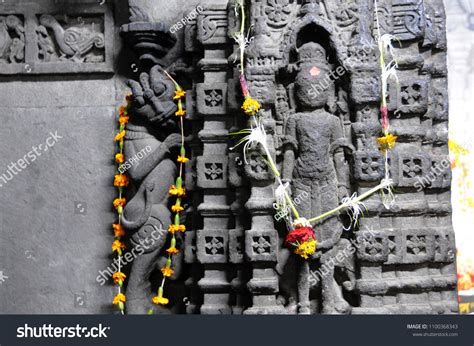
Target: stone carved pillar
(236,240)
(193,220)
(262,240)
(212,167)
(237,179)
(412,244)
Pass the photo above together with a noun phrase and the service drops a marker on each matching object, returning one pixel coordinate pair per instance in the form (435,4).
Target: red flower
(384,111)
(300,235)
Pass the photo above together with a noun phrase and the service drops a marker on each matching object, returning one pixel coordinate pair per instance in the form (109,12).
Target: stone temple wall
(56,212)
(322,136)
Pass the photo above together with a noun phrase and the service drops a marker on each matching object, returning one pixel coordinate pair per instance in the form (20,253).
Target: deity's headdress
(312,53)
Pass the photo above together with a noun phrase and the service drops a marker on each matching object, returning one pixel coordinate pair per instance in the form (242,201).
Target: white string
(354,209)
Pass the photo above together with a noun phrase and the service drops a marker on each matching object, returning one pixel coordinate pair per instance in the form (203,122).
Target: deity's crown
(313,53)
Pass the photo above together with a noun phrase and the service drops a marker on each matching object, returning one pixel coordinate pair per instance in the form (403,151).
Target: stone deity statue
(314,162)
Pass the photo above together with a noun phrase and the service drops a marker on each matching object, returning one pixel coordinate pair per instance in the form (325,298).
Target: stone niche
(395,261)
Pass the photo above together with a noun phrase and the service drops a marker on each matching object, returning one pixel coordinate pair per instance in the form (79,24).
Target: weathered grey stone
(55,224)
(322,132)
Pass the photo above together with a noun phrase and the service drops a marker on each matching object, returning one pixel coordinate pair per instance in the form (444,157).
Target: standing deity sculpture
(314,162)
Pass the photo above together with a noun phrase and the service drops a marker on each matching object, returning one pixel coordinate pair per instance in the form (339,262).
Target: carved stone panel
(412,166)
(408,19)
(212,171)
(410,96)
(212,25)
(261,245)
(212,98)
(419,246)
(37,39)
(12,39)
(368,166)
(212,246)
(313,66)
(373,246)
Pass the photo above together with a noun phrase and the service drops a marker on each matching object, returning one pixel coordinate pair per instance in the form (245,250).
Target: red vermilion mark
(314,71)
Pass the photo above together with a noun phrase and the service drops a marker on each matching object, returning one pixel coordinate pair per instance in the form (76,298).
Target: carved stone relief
(34,39)
(81,40)
(12,39)
(325,145)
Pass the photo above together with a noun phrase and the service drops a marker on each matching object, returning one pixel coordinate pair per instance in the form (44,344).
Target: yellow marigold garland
(177,191)
(250,106)
(120,182)
(387,142)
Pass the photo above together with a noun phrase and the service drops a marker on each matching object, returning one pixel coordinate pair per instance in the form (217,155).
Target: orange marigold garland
(120,182)
(177,191)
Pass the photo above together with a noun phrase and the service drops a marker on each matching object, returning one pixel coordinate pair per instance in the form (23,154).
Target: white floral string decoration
(388,140)
(257,135)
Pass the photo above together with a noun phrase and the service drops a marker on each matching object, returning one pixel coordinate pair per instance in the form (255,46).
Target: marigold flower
(119,202)
(180,113)
(123,120)
(182,159)
(179,94)
(387,142)
(119,158)
(172,250)
(123,110)
(119,277)
(120,180)
(119,298)
(167,272)
(306,249)
(177,208)
(177,191)
(118,246)
(120,136)
(118,230)
(251,106)
(303,240)
(160,300)
(176,228)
